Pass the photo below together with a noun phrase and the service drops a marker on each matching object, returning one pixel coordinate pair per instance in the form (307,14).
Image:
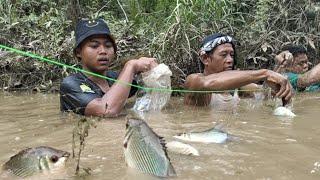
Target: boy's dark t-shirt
(77,90)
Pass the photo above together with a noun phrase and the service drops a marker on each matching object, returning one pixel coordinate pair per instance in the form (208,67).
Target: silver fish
(212,135)
(145,151)
(182,148)
(35,160)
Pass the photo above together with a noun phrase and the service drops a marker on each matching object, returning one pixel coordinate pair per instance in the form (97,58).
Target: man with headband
(218,58)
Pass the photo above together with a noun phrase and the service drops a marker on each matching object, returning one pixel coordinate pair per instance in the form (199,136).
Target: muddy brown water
(269,147)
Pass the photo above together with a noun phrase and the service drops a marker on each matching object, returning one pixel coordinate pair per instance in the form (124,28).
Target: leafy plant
(169,30)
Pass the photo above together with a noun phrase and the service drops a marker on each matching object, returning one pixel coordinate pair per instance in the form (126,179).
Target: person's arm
(226,80)
(310,77)
(234,79)
(113,101)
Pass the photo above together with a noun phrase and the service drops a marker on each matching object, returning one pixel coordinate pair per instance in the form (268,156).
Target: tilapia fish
(145,151)
(212,135)
(35,160)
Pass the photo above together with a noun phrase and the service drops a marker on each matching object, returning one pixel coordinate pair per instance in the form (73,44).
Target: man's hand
(143,64)
(284,59)
(280,85)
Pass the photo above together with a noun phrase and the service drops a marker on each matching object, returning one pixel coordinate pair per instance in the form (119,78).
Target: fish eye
(54,158)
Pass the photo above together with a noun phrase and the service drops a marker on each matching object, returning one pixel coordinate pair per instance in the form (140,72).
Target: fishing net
(157,78)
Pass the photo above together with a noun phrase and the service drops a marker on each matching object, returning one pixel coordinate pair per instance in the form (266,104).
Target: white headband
(216,42)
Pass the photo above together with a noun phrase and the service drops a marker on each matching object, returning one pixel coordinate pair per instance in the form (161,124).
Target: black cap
(86,28)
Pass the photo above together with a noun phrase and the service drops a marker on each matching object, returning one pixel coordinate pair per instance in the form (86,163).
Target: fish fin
(179,134)
(160,137)
(126,139)
(164,147)
(162,141)
(219,127)
(171,171)
(19,154)
(22,171)
(163,144)
(233,138)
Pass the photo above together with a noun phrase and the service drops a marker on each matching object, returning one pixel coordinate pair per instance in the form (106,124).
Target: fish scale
(133,156)
(136,158)
(140,157)
(144,157)
(144,150)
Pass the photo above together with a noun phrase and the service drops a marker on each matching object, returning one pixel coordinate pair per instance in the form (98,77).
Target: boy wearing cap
(89,95)
(217,55)
(293,62)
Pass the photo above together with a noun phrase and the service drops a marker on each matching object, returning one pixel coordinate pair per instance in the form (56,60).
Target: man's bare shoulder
(192,80)
(194,76)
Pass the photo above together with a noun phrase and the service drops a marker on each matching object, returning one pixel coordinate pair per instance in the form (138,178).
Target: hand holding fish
(280,85)
(284,59)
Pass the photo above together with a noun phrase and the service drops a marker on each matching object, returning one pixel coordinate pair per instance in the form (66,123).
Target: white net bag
(159,79)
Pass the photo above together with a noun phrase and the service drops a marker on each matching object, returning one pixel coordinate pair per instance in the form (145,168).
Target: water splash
(316,167)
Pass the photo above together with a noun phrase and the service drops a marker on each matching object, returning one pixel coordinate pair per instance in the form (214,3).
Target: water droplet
(312,171)
(291,140)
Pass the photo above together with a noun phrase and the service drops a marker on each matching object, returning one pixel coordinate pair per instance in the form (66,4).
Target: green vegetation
(170,30)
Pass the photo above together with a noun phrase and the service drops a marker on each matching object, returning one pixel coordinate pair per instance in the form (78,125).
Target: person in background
(90,95)
(294,63)
(218,58)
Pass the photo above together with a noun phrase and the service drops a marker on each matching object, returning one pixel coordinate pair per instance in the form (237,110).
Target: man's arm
(230,79)
(234,79)
(310,77)
(113,101)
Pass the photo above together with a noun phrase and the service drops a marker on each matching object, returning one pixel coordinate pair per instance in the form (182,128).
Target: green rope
(28,54)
